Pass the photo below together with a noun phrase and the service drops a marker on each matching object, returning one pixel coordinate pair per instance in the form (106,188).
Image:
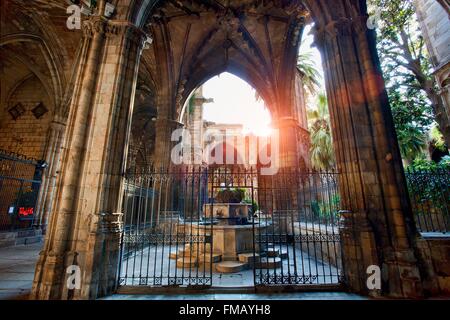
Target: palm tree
(412,142)
(322,153)
(310,75)
(321,110)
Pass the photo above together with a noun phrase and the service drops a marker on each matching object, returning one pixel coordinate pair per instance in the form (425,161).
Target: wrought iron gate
(298,241)
(20,182)
(166,239)
(284,228)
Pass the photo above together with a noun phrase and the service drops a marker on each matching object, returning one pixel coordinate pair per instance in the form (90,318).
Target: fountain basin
(230,240)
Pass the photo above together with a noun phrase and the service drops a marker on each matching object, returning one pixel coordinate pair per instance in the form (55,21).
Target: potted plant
(230,195)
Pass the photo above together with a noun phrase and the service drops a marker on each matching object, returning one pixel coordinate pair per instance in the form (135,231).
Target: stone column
(163,164)
(55,138)
(86,216)
(294,142)
(373,188)
(163,142)
(278,190)
(196,126)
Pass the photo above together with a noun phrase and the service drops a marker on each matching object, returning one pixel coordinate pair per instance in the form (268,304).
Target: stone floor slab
(17,265)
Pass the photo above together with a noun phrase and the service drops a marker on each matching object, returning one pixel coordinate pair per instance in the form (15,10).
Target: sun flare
(235,102)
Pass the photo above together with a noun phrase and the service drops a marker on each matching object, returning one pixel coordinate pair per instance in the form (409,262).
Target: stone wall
(434,21)
(328,252)
(436,252)
(435,25)
(26,135)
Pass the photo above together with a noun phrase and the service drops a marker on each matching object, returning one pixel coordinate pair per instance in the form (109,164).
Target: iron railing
(286,230)
(429,192)
(163,244)
(20,182)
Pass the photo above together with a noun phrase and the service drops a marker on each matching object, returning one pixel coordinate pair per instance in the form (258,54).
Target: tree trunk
(441,115)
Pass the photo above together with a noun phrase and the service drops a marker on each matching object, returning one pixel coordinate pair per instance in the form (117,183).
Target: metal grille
(296,234)
(167,240)
(171,219)
(20,182)
(430,199)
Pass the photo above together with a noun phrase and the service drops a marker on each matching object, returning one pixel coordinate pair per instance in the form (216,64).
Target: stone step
(181,253)
(207,257)
(270,263)
(29,233)
(184,253)
(206,267)
(8,235)
(173,255)
(230,266)
(28,240)
(7,243)
(187,263)
(249,258)
(25,237)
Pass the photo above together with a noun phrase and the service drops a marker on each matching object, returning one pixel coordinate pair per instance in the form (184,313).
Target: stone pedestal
(229,241)
(230,211)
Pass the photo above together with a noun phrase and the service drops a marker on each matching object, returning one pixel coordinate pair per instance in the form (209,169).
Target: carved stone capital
(343,27)
(94,25)
(110,223)
(121,29)
(116,29)
(58,124)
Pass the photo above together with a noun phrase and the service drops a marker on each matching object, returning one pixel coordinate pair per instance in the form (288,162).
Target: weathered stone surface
(187,262)
(96,80)
(231,266)
(208,257)
(250,258)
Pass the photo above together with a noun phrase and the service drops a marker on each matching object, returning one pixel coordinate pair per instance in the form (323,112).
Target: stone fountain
(231,228)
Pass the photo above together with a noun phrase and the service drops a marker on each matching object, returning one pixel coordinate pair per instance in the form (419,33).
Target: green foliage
(428,185)
(407,72)
(230,195)
(311,76)
(255,206)
(326,210)
(424,165)
(191,105)
(437,139)
(322,152)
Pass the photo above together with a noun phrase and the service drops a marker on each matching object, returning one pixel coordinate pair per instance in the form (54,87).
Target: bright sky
(235,103)
(234,99)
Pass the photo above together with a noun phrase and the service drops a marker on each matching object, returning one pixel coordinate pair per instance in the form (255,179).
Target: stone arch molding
(321,12)
(375,228)
(190,87)
(51,60)
(243,38)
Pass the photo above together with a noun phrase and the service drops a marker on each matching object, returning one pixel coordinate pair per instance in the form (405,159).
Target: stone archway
(377,225)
